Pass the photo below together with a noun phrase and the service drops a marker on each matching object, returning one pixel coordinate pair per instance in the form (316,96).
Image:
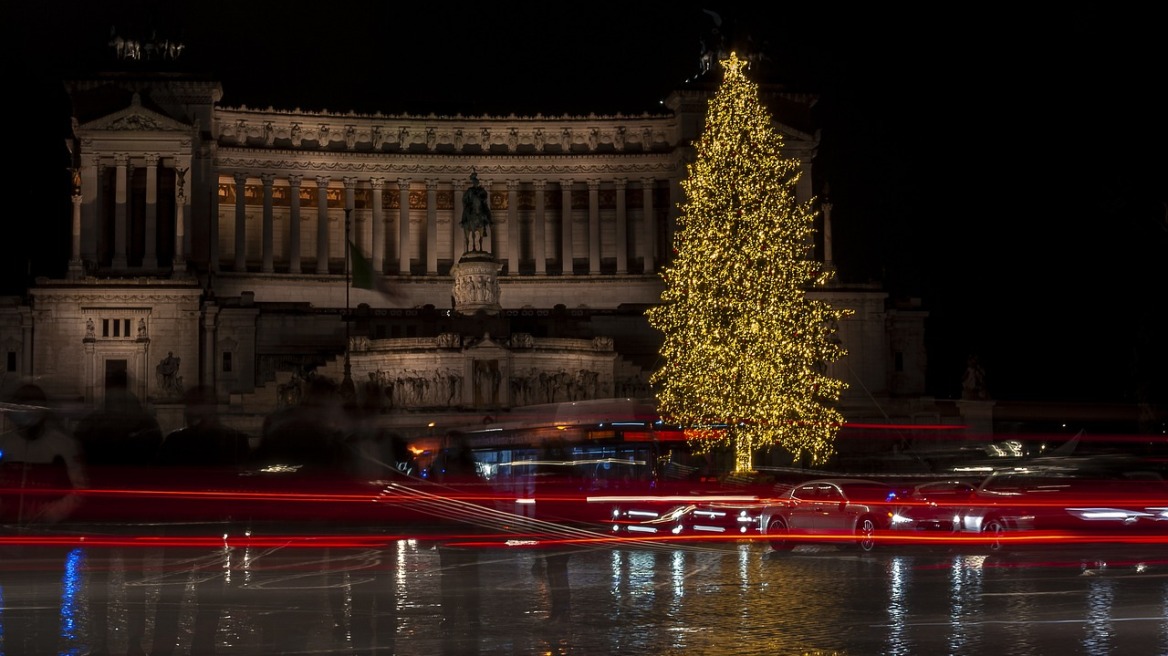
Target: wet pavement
(718,598)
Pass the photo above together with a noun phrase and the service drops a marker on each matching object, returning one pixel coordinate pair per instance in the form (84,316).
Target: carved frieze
(457,133)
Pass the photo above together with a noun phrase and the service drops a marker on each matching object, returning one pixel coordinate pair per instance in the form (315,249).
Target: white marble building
(216,235)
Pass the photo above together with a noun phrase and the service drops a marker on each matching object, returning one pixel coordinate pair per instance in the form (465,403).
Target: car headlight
(900,520)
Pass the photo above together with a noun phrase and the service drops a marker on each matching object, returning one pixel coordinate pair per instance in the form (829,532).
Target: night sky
(1008,169)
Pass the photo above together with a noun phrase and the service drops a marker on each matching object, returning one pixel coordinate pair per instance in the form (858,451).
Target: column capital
(151,159)
(539,185)
(322,180)
(294,181)
(431,184)
(349,181)
(377,183)
(403,184)
(593,184)
(620,183)
(512,185)
(648,181)
(121,159)
(240,178)
(567,183)
(268,178)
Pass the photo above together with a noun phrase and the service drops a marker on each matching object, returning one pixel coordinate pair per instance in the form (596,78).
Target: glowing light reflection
(899,581)
(677,571)
(70,586)
(1100,628)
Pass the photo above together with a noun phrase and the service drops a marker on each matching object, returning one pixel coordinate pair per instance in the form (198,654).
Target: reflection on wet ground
(721,599)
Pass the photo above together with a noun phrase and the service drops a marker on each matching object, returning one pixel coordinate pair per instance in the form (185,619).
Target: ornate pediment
(135,118)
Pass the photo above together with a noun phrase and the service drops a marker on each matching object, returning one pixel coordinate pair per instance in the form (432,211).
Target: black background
(1006,168)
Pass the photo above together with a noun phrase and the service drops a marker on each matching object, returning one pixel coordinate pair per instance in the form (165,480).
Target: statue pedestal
(170,415)
(476,283)
(979,420)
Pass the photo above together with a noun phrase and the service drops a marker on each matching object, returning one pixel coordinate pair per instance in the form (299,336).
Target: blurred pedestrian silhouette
(300,451)
(455,470)
(204,440)
(204,451)
(372,453)
(121,437)
(553,477)
(558,591)
(306,435)
(120,441)
(40,470)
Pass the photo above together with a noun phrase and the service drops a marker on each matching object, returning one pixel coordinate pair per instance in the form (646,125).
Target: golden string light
(744,348)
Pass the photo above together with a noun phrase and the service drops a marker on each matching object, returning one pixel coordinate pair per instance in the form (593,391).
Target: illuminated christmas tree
(745,349)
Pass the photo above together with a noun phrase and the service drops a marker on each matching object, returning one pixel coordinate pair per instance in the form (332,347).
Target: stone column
(150,225)
(458,245)
(91,205)
(827,245)
(268,236)
(648,245)
(213,224)
(538,232)
(431,227)
(350,203)
(26,344)
(622,228)
(89,369)
(513,236)
(803,189)
(121,161)
(378,225)
(210,355)
(675,196)
(180,213)
(240,222)
(403,226)
(493,243)
(322,229)
(294,223)
(76,270)
(566,226)
(594,226)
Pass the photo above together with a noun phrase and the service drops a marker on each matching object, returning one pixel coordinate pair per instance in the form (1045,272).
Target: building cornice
(424,165)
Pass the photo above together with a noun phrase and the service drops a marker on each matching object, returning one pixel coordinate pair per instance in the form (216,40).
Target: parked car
(837,510)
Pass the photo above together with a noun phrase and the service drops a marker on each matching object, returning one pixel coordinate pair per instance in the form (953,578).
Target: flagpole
(348,390)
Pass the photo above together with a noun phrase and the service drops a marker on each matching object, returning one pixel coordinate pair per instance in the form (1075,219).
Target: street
(645,598)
